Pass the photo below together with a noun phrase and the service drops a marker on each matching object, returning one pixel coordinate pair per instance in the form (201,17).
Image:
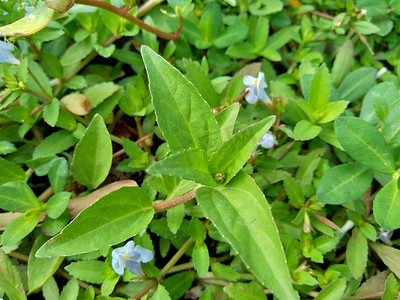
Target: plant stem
(122,13)
(39,84)
(147,6)
(174,201)
(39,95)
(46,194)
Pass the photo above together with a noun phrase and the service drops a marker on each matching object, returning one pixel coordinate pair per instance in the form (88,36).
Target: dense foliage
(236,149)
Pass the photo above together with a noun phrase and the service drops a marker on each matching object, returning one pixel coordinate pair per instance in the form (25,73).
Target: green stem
(116,139)
(122,13)
(39,84)
(176,257)
(39,95)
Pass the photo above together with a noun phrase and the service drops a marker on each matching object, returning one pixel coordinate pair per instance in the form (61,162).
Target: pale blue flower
(256,88)
(5,54)
(383,235)
(130,257)
(29,9)
(267,141)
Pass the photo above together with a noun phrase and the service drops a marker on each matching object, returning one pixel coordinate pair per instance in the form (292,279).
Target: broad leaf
(54,143)
(344,183)
(201,259)
(333,291)
(17,197)
(90,271)
(320,89)
(357,253)
(129,210)
(387,206)
(342,63)
(235,152)
(189,164)
(41,269)
(226,119)
(93,155)
(357,83)
(242,215)
(391,288)
(389,255)
(365,144)
(305,130)
(10,280)
(183,116)
(10,171)
(29,24)
(391,126)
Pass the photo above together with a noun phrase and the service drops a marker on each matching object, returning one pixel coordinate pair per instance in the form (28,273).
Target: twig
(174,201)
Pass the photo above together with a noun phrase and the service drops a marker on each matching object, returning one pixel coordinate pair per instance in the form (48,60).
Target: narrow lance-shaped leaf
(241,213)
(183,116)
(387,206)
(234,153)
(320,89)
(114,218)
(10,280)
(93,155)
(357,253)
(389,255)
(364,143)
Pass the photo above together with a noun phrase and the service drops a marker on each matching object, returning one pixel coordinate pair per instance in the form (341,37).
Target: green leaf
(210,21)
(391,126)
(368,230)
(17,197)
(29,24)
(99,92)
(50,112)
(129,210)
(391,288)
(342,63)
(231,35)
(357,83)
(178,284)
(70,290)
(224,272)
(161,293)
(250,229)
(54,143)
(58,174)
(189,164)
(333,291)
(93,155)
(357,253)
(235,152)
(10,280)
(21,227)
(259,27)
(365,144)
(245,291)
(265,7)
(293,191)
(201,259)
(57,203)
(10,171)
(389,255)
(196,75)
(226,119)
(40,269)
(305,130)
(320,89)
(331,111)
(77,52)
(344,183)
(89,271)
(365,27)
(175,217)
(52,64)
(387,206)
(50,290)
(183,116)
(197,230)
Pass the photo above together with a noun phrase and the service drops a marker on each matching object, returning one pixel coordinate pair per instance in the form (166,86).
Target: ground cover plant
(199,149)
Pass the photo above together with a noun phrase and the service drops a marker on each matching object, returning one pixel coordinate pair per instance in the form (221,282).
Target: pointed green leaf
(387,206)
(51,111)
(365,144)
(331,111)
(129,210)
(175,217)
(189,164)
(99,92)
(320,89)
(90,271)
(391,126)
(344,183)
(57,204)
(357,253)
(235,152)
(333,291)
(305,130)
(41,269)
(226,119)
(21,227)
(241,213)
(10,280)
(231,35)
(93,155)
(54,143)
(183,116)
(161,293)
(58,174)
(389,255)
(342,63)
(29,24)
(201,259)
(391,288)
(357,83)
(10,171)
(293,191)
(17,197)
(242,291)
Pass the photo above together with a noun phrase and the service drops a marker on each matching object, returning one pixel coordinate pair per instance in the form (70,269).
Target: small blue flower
(256,88)
(29,9)
(383,235)
(267,141)
(5,54)
(130,257)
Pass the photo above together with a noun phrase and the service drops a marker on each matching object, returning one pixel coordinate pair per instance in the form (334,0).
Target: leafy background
(94,118)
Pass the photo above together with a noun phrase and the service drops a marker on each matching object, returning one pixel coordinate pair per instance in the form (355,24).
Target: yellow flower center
(255,82)
(126,255)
